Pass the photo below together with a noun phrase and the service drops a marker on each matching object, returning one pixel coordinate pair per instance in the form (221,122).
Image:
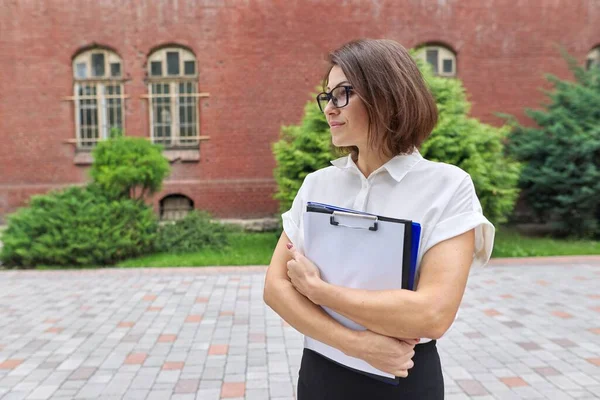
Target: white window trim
(100,83)
(101,109)
(174,104)
(86,57)
(443,54)
(173,81)
(594,56)
(161,55)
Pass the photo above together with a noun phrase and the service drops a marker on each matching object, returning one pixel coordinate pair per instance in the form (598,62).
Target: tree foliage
(457,139)
(128,167)
(561,155)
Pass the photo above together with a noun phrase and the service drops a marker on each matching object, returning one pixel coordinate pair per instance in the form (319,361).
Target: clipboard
(359,250)
(415,235)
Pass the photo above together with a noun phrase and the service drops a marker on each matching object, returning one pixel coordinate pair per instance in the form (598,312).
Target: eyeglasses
(339,96)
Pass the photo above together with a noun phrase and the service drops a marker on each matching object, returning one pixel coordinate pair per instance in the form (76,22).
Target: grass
(245,249)
(257,248)
(509,243)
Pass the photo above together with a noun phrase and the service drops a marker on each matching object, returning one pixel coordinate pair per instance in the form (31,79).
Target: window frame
(444,53)
(102,99)
(593,58)
(166,210)
(174,95)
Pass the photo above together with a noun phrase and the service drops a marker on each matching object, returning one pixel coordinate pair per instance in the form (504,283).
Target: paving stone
(192,334)
(91,390)
(43,392)
(14,395)
(159,395)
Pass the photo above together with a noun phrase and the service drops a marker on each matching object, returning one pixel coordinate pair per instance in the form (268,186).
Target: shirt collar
(397,167)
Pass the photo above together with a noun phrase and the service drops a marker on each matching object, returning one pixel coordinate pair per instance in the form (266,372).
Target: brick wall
(259,60)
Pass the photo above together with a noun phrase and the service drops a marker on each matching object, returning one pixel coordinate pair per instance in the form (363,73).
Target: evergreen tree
(561,177)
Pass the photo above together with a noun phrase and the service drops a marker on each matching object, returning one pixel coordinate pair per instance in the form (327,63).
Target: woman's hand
(382,352)
(387,354)
(303,274)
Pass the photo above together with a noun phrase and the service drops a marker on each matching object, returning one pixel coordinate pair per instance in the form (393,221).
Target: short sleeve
(462,214)
(292,219)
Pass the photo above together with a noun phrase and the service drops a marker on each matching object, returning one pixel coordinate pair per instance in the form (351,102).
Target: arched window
(98,95)
(173,93)
(593,58)
(441,59)
(175,206)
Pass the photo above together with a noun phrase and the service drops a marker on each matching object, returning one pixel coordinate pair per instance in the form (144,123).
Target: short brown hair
(402,112)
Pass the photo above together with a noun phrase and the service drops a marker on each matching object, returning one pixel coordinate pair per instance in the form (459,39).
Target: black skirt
(323,379)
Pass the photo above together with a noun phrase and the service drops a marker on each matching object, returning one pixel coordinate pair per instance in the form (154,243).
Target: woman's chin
(337,142)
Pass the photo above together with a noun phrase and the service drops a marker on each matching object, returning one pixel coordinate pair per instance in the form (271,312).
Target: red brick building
(214,80)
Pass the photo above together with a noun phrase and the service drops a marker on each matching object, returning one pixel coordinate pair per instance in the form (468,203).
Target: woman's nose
(331,109)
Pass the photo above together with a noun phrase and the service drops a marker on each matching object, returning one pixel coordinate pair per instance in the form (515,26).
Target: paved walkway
(523,332)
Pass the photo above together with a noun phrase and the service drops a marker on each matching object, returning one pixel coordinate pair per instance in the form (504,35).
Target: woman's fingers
(295,254)
(403,372)
(291,250)
(289,271)
(411,342)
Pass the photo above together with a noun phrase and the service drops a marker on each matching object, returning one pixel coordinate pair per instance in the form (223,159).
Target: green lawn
(245,249)
(256,249)
(509,243)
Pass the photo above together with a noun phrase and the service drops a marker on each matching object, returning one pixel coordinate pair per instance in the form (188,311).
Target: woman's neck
(370,161)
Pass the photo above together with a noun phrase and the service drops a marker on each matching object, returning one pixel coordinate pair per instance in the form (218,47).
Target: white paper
(354,258)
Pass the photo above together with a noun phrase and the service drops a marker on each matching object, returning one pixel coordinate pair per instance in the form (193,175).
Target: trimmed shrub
(196,231)
(128,167)
(475,147)
(302,149)
(77,227)
(457,139)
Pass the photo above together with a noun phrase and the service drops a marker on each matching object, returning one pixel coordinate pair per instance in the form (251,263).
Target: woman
(379,108)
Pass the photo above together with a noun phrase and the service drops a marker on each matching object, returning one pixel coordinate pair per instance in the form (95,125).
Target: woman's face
(349,125)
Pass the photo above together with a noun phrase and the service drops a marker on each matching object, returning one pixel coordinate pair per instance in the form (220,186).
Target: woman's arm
(427,312)
(385,353)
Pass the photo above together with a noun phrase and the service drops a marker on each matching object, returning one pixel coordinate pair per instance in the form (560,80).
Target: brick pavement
(523,332)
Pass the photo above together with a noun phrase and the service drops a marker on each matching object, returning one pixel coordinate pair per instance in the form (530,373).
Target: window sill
(83,157)
(191,155)
(183,155)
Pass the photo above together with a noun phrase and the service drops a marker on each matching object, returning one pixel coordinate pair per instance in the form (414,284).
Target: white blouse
(441,197)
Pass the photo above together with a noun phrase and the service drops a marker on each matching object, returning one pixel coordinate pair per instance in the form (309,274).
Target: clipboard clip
(373,218)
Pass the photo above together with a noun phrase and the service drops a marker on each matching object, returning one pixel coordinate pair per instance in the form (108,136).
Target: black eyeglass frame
(329,97)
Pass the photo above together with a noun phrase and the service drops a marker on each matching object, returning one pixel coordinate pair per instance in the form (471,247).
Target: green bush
(561,178)
(100,224)
(475,147)
(195,232)
(128,167)
(77,227)
(457,139)
(301,150)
